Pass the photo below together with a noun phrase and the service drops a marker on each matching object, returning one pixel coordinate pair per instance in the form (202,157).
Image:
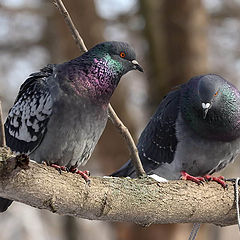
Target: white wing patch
(28,115)
(27,120)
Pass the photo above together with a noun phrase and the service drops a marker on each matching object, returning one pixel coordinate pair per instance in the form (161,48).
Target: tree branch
(129,140)
(70,24)
(143,201)
(112,114)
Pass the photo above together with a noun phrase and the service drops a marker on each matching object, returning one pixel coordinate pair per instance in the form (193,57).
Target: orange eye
(216,93)
(122,54)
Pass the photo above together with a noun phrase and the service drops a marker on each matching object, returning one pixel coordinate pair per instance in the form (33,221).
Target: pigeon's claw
(221,180)
(186,176)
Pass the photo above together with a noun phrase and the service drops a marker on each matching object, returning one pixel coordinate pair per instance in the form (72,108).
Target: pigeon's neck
(95,79)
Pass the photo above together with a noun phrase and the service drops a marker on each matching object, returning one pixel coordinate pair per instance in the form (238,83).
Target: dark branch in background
(2,132)
(113,116)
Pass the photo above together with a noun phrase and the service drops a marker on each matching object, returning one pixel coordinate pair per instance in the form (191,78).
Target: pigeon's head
(209,91)
(119,56)
(210,104)
(101,68)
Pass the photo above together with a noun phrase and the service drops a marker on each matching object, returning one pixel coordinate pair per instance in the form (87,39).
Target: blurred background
(174,41)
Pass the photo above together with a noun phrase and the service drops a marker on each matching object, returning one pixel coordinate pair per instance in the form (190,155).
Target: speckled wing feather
(27,120)
(158,141)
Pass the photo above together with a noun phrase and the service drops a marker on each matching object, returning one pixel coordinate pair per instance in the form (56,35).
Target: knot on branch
(105,207)
(22,161)
(10,162)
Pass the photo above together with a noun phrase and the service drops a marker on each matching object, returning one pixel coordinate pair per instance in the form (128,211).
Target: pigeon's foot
(186,176)
(59,168)
(84,174)
(220,180)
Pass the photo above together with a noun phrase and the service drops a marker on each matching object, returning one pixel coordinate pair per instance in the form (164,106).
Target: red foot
(85,174)
(199,180)
(219,180)
(186,176)
(59,168)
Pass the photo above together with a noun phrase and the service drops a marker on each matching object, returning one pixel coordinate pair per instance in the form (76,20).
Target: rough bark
(142,201)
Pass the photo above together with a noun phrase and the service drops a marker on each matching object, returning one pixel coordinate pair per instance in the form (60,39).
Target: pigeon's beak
(206,107)
(137,66)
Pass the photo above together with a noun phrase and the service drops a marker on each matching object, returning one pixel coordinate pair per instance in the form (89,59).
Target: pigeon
(194,132)
(61,111)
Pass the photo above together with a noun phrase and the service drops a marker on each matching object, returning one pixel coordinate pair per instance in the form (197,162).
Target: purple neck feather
(95,80)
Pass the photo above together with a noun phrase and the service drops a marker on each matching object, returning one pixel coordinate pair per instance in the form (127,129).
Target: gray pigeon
(194,132)
(61,111)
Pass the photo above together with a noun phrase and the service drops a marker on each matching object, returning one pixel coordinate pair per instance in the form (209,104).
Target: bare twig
(115,119)
(73,29)
(128,138)
(2,131)
(236,187)
(141,200)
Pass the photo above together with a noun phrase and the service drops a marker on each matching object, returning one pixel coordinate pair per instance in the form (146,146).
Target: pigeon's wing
(27,120)
(4,204)
(158,141)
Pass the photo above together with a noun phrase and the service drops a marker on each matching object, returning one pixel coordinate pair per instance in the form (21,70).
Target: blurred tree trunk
(176,32)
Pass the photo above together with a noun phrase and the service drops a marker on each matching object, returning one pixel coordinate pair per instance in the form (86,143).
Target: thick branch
(113,116)
(143,201)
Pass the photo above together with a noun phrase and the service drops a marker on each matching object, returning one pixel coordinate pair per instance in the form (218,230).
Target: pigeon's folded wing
(27,120)
(158,141)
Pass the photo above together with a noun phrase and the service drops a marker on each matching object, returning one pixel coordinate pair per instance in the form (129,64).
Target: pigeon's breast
(199,156)
(72,132)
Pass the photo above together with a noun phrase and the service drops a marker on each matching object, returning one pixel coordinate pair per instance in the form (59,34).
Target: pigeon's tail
(127,170)
(4,204)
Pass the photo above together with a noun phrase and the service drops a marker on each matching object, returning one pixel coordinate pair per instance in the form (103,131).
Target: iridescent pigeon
(61,111)
(194,132)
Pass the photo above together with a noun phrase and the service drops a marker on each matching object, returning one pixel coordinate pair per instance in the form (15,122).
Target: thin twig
(2,131)
(236,188)
(194,231)
(73,29)
(113,116)
(129,140)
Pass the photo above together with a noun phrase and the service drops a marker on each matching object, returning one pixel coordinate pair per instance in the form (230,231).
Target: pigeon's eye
(122,54)
(216,93)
